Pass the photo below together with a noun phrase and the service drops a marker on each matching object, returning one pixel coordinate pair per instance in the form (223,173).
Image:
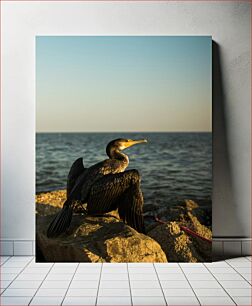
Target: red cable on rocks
(187,230)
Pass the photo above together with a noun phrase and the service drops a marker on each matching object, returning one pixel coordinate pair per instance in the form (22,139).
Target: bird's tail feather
(61,222)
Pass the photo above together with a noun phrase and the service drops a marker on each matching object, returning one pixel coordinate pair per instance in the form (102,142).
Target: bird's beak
(133,142)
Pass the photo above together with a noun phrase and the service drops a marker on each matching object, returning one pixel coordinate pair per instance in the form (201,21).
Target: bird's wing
(121,191)
(76,170)
(130,208)
(83,182)
(62,220)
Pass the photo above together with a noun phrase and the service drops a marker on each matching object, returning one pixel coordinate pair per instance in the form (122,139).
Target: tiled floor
(24,282)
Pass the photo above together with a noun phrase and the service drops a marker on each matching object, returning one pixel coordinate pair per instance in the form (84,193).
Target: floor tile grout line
(1,266)
(220,285)
(230,260)
(189,284)
(96,300)
(246,258)
(16,276)
(9,257)
(70,284)
(9,260)
(237,272)
(41,283)
(232,280)
(131,299)
(160,284)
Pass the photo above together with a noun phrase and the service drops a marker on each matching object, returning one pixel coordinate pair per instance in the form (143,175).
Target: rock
(49,203)
(53,198)
(190,204)
(107,239)
(175,243)
(45,210)
(179,245)
(178,212)
(91,238)
(97,239)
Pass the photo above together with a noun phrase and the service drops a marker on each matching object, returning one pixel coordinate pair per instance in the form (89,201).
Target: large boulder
(91,238)
(97,239)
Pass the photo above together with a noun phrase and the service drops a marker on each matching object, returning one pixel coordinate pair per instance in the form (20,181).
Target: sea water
(173,166)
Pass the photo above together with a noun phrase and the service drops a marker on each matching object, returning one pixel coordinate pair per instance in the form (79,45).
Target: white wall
(227,22)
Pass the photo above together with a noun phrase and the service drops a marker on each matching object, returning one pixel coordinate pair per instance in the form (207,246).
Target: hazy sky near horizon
(123,83)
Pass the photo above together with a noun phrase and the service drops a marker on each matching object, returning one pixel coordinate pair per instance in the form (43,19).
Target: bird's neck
(116,154)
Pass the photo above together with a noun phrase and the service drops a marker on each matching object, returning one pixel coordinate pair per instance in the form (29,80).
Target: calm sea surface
(174,166)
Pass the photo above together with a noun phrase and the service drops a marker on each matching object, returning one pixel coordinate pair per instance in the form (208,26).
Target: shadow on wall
(226,221)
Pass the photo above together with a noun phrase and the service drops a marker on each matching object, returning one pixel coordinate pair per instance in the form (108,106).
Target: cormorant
(104,186)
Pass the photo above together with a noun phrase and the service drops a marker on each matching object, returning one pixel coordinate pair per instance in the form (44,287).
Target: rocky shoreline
(180,233)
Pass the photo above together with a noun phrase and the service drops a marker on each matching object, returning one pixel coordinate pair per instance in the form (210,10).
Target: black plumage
(104,186)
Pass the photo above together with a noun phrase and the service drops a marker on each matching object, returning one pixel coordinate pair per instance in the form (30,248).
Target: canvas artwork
(123,148)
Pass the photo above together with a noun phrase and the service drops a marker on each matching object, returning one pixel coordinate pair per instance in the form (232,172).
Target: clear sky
(123,83)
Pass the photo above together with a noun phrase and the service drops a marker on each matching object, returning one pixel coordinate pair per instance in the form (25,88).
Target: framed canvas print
(123,148)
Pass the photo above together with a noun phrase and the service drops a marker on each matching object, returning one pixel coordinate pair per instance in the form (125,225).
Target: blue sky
(123,83)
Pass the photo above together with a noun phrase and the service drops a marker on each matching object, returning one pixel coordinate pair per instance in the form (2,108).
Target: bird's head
(121,143)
